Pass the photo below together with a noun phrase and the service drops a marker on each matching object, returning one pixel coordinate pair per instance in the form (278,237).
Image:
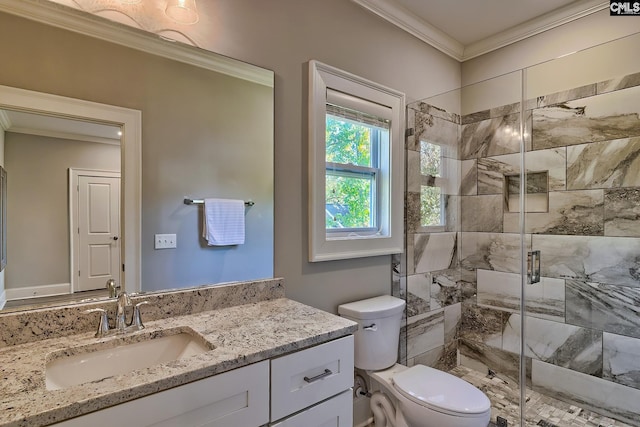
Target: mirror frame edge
(131,159)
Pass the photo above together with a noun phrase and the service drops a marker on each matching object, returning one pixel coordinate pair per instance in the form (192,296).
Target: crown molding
(404,19)
(64,135)
(536,26)
(424,31)
(90,25)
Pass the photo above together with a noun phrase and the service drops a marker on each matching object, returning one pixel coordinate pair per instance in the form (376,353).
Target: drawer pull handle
(326,373)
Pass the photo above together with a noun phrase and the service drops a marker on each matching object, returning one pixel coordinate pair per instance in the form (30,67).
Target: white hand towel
(223,222)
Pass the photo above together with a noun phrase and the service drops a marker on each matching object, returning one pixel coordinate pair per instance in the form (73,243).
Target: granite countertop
(241,335)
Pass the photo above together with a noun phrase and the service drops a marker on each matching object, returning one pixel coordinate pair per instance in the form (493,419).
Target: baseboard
(3,299)
(39,291)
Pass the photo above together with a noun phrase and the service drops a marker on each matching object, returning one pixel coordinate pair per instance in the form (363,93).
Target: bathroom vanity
(265,361)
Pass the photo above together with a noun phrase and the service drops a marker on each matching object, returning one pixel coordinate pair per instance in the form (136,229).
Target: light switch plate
(165,241)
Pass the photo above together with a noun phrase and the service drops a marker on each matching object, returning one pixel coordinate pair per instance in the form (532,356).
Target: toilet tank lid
(372,308)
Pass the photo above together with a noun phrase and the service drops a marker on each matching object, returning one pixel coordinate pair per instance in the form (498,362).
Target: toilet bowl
(418,396)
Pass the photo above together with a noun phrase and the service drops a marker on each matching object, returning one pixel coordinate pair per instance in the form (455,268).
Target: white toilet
(411,397)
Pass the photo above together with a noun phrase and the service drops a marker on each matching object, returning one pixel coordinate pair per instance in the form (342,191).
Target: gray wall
(283,35)
(278,34)
(204,135)
(38,203)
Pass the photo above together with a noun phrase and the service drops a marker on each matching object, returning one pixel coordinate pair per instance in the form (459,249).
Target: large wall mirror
(137,130)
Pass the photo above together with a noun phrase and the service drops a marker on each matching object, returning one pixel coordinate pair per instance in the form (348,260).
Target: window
(431,195)
(355,166)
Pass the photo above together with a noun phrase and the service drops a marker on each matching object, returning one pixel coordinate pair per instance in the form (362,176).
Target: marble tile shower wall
(463,286)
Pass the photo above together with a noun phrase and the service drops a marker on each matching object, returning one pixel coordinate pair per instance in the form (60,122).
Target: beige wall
(581,34)
(281,35)
(38,203)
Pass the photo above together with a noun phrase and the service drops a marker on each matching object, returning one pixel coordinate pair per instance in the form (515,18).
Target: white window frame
(388,238)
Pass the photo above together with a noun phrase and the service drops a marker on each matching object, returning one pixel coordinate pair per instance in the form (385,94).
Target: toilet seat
(441,392)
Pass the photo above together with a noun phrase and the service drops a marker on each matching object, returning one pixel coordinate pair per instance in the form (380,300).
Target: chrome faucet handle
(103,326)
(113,288)
(136,320)
(121,319)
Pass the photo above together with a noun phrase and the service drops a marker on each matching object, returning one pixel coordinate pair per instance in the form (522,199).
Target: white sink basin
(92,363)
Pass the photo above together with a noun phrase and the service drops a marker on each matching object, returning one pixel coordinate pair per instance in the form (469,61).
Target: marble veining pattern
(603,117)
(501,291)
(622,212)
(609,164)
(576,348)
(425,332)
(241,335)
(433,251)
(570,213)
(560,97)
(482,213)
(607,308)
(492,251)
(621,362)
(490,137)
(623,82)
(607,260)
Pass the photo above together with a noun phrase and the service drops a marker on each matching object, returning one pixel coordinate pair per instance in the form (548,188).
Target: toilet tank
(376,340)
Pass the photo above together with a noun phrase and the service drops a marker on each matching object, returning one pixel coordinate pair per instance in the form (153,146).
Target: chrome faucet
(121,312)
(121,325)
(113,288)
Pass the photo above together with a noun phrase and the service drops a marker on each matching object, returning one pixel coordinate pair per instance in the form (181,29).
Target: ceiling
(465,29)
(58,127)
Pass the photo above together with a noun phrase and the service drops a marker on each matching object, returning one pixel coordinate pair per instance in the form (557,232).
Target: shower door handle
(533,267)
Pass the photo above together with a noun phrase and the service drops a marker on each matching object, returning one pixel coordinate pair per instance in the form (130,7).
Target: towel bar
(201,202)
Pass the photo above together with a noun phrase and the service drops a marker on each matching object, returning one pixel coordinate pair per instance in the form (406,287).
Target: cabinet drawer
(231,399)
(304,378)
(335,412)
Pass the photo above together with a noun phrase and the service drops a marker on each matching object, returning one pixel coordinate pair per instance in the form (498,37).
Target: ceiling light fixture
(182,11)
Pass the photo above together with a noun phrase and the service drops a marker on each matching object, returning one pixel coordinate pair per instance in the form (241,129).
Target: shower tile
(444,292)
(604,117)
(569,346)
(468,178)
(490,137)
(622,212)
(607,260)
(570,213)
(476,117)
(425,332)
(482,325)
(501,291)
(492,170)
(608,308)
(412,206)
(482,213)
(624,82)
(439,131)
(436,112)
(492,251)
(433,251)
(418,294)
(473,353)
(621,363)
(414,177)
(609,164)
(452,322)
(605,397)
(564,96)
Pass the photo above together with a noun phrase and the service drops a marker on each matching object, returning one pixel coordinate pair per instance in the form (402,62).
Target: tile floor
(541,410)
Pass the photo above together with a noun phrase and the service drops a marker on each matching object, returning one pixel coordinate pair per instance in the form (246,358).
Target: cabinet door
(231,399)
(304,378)
(335,412)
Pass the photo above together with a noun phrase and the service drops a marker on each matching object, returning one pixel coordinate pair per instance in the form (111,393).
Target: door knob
(115,237)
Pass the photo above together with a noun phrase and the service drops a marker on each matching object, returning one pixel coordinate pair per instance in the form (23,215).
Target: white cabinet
(231,399)
(303,379)
(335,412)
